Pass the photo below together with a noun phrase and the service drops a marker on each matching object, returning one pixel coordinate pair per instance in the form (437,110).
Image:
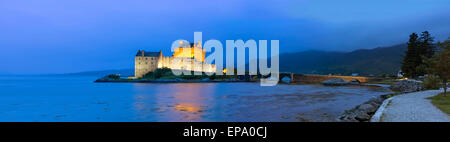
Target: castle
(189,56)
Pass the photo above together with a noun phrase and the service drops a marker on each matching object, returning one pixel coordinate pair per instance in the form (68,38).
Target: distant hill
(375,61)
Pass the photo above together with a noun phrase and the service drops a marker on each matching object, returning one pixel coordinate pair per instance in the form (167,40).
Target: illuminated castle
(188,56)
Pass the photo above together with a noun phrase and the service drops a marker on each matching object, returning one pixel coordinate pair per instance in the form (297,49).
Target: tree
(426,46)
(419,48)
(411,60)
(426,49)
(440,64)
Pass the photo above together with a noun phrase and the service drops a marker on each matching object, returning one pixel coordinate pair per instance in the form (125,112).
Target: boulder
(347,116)
(355,82)
(368,108)
(335,82)
(362,116)
(406,86)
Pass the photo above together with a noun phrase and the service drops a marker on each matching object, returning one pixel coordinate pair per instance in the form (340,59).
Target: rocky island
(165,75)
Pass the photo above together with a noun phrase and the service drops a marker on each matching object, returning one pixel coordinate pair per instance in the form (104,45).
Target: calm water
(32,98)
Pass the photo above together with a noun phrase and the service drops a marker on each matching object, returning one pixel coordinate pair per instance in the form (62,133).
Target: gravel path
(414,107)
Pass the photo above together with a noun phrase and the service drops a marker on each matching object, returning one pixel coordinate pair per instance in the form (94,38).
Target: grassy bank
(441,102)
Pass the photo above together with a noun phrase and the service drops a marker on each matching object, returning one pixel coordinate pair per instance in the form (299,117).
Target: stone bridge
(307,78)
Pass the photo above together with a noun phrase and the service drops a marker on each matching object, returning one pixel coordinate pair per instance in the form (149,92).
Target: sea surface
(79,99)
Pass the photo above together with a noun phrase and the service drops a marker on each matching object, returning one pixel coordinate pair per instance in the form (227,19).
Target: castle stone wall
(143,65)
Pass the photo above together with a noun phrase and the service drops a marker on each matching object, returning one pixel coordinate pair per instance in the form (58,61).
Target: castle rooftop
(147,54)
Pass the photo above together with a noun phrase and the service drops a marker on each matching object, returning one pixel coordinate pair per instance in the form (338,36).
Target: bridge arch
(286,74)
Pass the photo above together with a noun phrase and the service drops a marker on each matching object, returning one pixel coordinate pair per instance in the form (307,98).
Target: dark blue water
(69,98)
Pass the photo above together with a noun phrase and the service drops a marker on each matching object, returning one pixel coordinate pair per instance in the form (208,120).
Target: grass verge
(441,102)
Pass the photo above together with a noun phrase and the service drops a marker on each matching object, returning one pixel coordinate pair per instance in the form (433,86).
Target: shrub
(431,82)
(212,77)
(163,72)
(158,73)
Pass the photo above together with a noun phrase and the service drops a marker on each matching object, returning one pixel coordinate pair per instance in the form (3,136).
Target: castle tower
(145,62)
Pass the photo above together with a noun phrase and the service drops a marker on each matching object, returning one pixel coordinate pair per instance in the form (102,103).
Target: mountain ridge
(377,61)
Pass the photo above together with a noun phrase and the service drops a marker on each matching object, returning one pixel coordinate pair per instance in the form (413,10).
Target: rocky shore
(363,112)
(407,86)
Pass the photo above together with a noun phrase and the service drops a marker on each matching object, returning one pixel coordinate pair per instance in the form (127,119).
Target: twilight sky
(55,36)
